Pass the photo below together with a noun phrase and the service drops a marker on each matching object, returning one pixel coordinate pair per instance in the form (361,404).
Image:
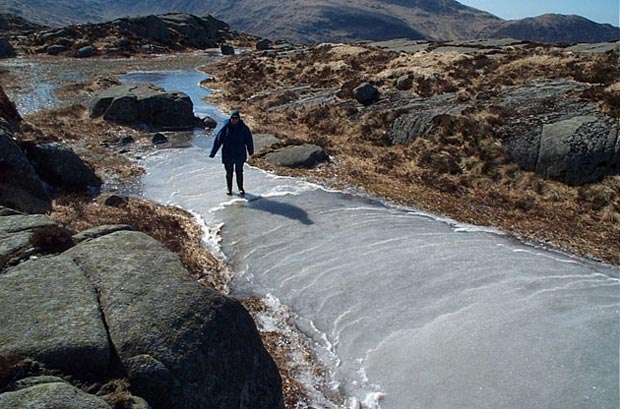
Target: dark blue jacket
(234,140)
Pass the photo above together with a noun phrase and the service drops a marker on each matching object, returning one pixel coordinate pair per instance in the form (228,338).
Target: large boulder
(263,142)
(182,344)
(145,105)
(297,156)
(559,135)
(421,117)
(86,52)
(20,186)
(16,230)
(49,312)
(366,93)
(6,49)
(55,395)
(59,166)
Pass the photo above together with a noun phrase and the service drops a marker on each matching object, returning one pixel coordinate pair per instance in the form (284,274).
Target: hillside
(322,21)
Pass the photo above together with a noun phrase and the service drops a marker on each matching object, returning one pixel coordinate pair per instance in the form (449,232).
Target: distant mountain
(555,28)
(309,21)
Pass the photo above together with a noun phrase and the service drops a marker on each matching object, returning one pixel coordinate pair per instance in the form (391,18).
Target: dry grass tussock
(460,170)
(173,227)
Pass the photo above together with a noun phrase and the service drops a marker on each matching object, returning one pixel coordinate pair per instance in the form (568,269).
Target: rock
(86,52)
(56,49)
(58,395)
(482,96)
(297,156)
(420,117)
(116,200)
(20,186)
(16,230)
(158,139)
(122,42)
(35,380)
(262,142)
(559,135)
(8,111)
(145,105)
(59,166)
(404,82)
(200,347)
(366,93)
(127,140)
(263,44)
(49,312)
(209,122)
(227,49)
(53,34)
(6,49)
(100,231)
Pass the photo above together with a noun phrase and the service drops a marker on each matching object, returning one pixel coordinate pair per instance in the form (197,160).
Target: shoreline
(520,203)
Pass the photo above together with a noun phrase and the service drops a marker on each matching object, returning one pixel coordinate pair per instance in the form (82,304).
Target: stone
(227,49)
(263,142)
(366,93)
(263,44)
(555,133)
(145,105)
(201,347)
(419,117)
(21,188)
(482,96)
(56,49)
(49,313)
(116,200)
(86,52)
(127,140)
(209,122)
(122,42)
(59,166)
(6,49)
(297,156)
(99,231)
(57,395)
(158,139)
(35,380)
(404,82)
(16,231)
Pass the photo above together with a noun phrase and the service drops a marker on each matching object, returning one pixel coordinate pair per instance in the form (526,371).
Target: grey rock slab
(51,396)
(598,48)
(401,45)
(49,312)
(23,222)
(35,380)
(100,231)
(263,142)
(201,348)
(297,156)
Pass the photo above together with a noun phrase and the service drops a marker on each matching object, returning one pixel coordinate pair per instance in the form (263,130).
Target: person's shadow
(279,208)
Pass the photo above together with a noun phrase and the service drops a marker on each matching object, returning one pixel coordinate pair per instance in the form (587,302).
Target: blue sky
(601,11)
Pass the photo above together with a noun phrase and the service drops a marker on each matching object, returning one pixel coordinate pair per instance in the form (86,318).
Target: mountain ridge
(317,21)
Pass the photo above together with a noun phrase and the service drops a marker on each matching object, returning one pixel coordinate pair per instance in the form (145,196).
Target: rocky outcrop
(124,36)
(182,344)
(20,185)
(16,231)
(54,395)
(119,297)
(555,133)
(421,117)
(59,166)
(297,156)
(146,105)
(49,312)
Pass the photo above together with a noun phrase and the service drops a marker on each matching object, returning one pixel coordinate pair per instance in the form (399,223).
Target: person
(235,139)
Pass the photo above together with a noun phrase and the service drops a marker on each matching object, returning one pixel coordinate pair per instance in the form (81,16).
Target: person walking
(236,141)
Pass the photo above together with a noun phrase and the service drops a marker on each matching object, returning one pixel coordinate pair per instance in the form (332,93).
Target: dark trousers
(236,167)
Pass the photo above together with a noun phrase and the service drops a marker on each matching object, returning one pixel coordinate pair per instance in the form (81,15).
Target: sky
(600,11)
